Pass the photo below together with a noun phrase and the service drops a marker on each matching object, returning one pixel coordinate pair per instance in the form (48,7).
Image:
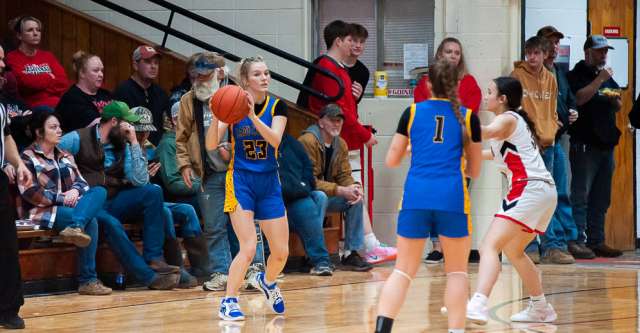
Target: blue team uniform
(435,198)
(252,179)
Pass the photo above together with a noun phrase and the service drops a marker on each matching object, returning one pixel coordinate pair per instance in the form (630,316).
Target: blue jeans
(211,202)
(83,216)
(123,248)
(354,230)
(183,215)
(147,199)
(562,227)
(592,169)
(306,216)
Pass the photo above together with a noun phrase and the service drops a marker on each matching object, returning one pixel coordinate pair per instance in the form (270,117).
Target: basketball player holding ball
(252,187)
(526,210)
(440,132)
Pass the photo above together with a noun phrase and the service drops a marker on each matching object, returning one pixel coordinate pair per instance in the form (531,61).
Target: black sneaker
(435,257)
(354,262)
(11,321)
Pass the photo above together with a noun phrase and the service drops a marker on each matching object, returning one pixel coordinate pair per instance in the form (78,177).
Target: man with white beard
(194,162)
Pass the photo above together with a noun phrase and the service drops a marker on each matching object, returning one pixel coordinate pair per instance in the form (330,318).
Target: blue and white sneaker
(272,293)
(230,309)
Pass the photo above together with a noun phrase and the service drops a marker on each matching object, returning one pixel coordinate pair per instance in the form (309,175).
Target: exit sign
(611,31)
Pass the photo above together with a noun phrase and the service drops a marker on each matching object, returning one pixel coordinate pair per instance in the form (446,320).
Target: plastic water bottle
(121,282)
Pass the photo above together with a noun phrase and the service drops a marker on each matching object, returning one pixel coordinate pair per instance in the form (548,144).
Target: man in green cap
(107,154)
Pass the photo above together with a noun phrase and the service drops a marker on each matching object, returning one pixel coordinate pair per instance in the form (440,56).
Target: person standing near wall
(375,252)
(593,137)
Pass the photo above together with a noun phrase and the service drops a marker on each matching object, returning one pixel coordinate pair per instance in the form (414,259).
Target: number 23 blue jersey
(250,150)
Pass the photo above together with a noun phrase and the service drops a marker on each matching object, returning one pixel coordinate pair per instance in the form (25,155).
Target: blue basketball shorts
(259,192)
(421,223)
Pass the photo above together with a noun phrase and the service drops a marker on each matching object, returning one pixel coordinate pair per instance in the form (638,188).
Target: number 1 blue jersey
(436,176)
(250,150)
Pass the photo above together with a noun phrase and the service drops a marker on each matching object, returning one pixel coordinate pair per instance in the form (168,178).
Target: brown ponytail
(444,84)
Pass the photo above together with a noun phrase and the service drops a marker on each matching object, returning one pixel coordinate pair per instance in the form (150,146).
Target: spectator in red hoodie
(337,36)
(468,91)
(41,78)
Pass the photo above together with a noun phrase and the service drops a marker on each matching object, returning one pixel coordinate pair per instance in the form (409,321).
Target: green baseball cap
(119,110)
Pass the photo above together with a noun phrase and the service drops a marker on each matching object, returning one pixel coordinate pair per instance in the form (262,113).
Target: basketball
(229,104)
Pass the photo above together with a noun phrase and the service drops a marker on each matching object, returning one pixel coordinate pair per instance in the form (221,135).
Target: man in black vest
(106,155)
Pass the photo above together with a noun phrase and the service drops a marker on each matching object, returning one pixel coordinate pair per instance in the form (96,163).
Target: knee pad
(403,274)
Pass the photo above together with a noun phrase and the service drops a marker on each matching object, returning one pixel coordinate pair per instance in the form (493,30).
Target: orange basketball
(230,104)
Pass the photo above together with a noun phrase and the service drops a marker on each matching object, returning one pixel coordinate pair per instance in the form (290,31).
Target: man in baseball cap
(144,52)
(119,110)
(593,139)
(142,90)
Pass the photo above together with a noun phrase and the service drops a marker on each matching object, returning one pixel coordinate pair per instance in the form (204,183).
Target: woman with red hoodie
(469,94)
(41,78)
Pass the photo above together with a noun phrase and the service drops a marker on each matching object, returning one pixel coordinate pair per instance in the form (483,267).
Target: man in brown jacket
(209,166)
(329,155)
(539,101)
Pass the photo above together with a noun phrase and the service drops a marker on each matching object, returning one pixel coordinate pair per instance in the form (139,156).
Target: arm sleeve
(184,128)
(403,124)
(169,172)
(70,142)
(135,165)
(474,125)
(36,194)
(325,85)
(61,83)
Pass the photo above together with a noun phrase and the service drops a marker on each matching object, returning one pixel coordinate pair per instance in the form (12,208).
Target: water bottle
(121,282)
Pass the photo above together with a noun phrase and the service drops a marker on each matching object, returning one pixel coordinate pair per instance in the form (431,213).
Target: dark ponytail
(512,89)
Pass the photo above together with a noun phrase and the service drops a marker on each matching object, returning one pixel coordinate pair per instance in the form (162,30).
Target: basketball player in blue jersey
(253,188)
(441,135)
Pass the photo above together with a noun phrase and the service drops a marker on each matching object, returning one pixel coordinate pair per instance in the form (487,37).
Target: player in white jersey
(526,210)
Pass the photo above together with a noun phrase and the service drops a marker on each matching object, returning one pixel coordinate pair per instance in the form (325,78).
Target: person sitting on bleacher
(60,199)
(181,213)
(106,154)
(305,205)
(329,154)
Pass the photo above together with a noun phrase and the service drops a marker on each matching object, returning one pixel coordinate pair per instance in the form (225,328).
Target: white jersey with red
(532,195)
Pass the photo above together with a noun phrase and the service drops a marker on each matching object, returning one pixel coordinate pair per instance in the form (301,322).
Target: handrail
(166,28)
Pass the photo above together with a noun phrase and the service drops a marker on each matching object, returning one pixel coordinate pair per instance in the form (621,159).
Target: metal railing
(168,30)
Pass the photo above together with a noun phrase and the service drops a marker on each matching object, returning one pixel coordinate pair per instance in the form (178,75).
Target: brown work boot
(534,256)
(580,251)
(161,267)
(558,257)
(95,288)
(165,281)
(75,236)
(603,250)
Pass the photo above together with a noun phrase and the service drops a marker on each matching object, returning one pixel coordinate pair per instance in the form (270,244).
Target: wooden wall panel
(67,30)
(620,222)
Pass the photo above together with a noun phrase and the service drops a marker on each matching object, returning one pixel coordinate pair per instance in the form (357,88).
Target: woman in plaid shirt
(60,199)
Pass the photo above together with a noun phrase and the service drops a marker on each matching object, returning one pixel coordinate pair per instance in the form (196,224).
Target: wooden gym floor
(589,297)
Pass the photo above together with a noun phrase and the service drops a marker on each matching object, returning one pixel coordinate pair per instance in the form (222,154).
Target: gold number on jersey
(438,137)
(255,149)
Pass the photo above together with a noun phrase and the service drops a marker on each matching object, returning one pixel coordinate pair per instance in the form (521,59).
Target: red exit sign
(611,31)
